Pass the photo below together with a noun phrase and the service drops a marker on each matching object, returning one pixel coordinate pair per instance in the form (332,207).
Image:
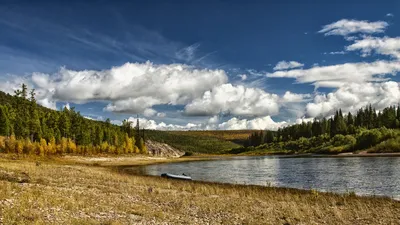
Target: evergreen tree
(4,121)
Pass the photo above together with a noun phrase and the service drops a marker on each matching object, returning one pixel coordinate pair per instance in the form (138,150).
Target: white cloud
(390,15)
(303,120)
(261,123)
(48,103)
(188,53)
(66,106)
(351,97)
(153,125)
(335,53)
(293,97)
(337,75)
(383,46)
(161,114)
(132,87)
(234,100)
(350,38)
(116,122)
(149,112)
(243,76)
(283,65)
(345,27)
(213,120)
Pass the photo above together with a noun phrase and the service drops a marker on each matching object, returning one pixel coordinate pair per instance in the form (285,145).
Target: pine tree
(32,96)
(4,121)
(64,124)
(34,126)
(24,91)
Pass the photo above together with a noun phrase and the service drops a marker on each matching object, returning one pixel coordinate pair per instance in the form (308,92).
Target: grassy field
(78,190)
(193,141)
(236,136)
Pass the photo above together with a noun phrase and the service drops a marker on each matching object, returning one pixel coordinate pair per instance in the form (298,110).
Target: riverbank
(68,191)
(315,155)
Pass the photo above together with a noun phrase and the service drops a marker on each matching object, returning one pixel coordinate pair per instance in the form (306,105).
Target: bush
(188,154)
(391,145)
(241,150)
(340,140)
(368,139)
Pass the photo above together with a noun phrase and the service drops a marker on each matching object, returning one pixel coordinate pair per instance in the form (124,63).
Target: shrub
(368,139)
(391,145)
(188,154)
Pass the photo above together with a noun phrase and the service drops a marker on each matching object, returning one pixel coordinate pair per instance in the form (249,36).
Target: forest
(28,128)
(368,129)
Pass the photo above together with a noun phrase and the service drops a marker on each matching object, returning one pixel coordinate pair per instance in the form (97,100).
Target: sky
(181,65)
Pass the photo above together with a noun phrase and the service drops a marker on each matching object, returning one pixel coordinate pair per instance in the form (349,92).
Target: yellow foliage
(28,147)
(71,146)
(104,147)
(128,145)
(52,147)
(2,144)
(62,146)
(19,147)
(10,144)
(43,147)
(137,151)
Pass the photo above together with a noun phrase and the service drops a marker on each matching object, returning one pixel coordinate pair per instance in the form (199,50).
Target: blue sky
(112,59)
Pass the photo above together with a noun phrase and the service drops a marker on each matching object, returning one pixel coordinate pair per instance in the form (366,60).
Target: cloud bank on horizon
(225,98)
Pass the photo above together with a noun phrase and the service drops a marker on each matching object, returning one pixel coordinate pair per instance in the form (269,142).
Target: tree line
(29,128)
(339,124)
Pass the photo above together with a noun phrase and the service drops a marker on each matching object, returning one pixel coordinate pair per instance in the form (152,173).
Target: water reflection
(366,176)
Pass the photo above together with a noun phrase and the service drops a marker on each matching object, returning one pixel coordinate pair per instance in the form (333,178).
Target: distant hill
(21,116)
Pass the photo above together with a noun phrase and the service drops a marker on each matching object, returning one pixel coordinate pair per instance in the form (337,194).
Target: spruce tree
(4,122)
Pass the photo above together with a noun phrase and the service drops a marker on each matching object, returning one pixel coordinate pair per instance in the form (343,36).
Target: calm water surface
(364,176)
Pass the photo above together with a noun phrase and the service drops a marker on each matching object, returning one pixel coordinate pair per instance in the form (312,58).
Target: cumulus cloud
(153,125)
(260,123)
(303,120)
(234,100)
(149,112)
(132,87)
(293,97)
(338,75)
(383,46)
(390,15)
(351,97)
(283,65)
(345,27)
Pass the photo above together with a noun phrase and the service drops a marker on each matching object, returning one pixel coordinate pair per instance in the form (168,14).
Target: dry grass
(76,193)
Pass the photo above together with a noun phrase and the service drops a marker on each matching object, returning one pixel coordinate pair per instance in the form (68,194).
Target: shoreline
(68,192)
(314,155)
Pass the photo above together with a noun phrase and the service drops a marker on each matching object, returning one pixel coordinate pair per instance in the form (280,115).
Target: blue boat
(173,176)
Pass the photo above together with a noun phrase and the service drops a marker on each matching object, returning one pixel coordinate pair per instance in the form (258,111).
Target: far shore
(315,155)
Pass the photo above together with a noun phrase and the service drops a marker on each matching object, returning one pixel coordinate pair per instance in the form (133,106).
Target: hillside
(42,131)
(189,142)
(236,136)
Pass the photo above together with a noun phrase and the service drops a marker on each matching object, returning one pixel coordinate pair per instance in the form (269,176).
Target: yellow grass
(76,191)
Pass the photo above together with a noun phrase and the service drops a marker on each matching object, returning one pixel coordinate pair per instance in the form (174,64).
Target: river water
(362,175)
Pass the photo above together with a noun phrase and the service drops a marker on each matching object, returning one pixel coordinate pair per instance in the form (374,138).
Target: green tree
(4,122)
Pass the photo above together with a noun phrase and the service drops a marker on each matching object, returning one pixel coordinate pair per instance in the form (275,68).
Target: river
(362,175)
